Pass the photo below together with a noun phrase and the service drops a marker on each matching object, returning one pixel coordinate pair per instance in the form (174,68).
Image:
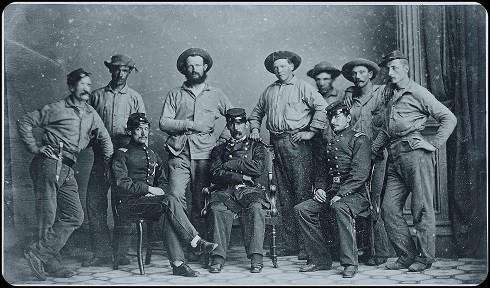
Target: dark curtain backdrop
(454,41)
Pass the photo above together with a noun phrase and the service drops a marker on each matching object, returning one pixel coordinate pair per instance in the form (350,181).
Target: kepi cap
(397,54)
(236,115)
(135,120)
(336,108)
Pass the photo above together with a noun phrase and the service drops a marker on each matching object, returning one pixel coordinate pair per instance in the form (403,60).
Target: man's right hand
(48,151)
(156,191)
(349,92)
(255,134)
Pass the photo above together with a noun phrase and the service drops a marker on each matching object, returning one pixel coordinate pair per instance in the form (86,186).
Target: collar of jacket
(69,103)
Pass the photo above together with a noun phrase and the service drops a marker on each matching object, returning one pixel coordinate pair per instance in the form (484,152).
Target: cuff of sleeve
(435,144)
(314,129)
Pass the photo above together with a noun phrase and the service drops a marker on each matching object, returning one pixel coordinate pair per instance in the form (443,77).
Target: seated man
(235,167)
(343,189)
(138,191)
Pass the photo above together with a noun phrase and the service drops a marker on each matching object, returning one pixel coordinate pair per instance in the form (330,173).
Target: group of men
(369,134)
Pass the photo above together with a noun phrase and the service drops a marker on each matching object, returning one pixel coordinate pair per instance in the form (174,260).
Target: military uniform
(229,162)
(135,168)
(347,169)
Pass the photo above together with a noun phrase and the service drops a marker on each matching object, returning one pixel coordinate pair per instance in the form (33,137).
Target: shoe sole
(38,275)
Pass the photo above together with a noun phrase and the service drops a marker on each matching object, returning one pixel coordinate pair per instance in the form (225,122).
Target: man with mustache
(69,125)
(295,113)
(341,188)
(140,189)
(189,115)
(235,167)
(114,103)
(411,163)
(365,97)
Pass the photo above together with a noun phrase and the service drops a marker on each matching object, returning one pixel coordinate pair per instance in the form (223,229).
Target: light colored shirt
(362,110)
(181,107)
(64,122)
(115,108)
(408,111)
(295,105)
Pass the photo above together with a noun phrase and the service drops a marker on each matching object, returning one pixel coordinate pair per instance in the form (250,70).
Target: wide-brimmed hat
(293,57)
(397,54)
(347,68)
(193,52)
(120,60)
(323,66)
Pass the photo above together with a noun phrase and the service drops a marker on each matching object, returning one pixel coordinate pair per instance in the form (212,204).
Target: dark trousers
(381,242)
(177,229)
(293,168)
(97,204)
(308,217)
(58,208)
(184,171)
(252,223)
(411,172)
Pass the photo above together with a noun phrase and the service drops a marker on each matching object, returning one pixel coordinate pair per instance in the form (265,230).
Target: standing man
(189,117)
(140,190)
(235,167)
(365,98)
(295,113)
(341,188)
(411,164)
(69,125)
(114,103)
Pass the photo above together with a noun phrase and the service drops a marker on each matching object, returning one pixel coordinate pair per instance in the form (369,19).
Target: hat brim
(330,70)
(293,57)
(347,68)
(197,52)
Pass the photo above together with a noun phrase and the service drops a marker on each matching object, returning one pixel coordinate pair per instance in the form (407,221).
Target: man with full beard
(189,116)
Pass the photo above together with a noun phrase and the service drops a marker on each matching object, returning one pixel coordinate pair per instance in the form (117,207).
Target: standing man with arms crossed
(69,125)
(114,103)
(411,164)
(295,113)
(365,98)
(189,116)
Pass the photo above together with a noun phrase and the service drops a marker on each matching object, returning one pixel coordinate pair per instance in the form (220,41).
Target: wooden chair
(139,228)
(271,218)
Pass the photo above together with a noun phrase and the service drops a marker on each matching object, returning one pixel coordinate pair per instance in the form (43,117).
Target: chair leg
(149,233)
(140,247)
(273,247)
(115,248)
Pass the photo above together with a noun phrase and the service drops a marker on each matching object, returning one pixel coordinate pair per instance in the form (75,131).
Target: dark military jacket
(229,162)
(347,164)
(134,168)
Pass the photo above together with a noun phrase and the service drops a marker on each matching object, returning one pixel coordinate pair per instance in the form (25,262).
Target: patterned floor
(443,272)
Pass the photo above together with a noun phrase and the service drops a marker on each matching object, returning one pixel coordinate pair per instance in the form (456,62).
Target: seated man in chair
(341,188)
(235,167)
(138,188)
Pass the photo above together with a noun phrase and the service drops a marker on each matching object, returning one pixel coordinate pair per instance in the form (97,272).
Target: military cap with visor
(397,54)
(336,108)
(293,57)
(236,115)
(135,120)
(181,61)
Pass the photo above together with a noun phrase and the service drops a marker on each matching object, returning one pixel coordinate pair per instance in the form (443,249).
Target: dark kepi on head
(194,52)
(336,108)
(397,54)
(370,65)
(323,66)
(236,115)
(135,119)
(293,57)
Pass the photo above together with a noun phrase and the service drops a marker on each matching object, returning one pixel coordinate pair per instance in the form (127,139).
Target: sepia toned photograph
(244,143)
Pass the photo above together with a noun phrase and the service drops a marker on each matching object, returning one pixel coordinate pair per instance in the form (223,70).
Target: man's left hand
(303,135)
(334,199)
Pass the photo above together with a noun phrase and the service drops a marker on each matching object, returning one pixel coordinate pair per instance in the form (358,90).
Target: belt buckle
(336,179)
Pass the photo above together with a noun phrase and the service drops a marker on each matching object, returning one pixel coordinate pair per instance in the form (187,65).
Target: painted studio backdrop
(44,42)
